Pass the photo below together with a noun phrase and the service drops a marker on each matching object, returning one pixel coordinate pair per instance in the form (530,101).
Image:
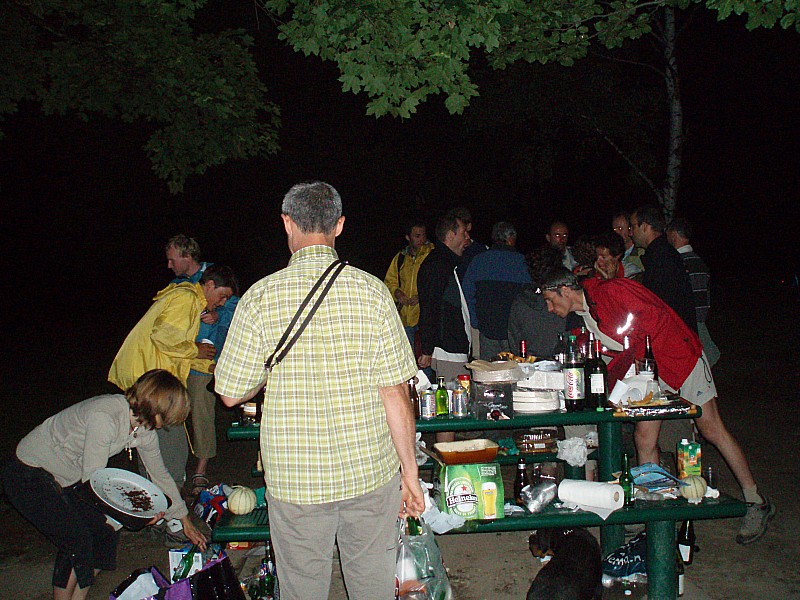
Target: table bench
(659,517)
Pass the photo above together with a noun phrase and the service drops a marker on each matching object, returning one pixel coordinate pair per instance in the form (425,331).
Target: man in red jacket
(617,308)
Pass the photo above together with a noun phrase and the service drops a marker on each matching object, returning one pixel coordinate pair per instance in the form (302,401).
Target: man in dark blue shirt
(664,272)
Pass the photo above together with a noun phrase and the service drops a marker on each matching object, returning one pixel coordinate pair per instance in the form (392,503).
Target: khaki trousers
(365,529)
(204,403)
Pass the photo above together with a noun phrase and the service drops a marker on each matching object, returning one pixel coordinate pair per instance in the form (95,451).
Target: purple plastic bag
(216,581)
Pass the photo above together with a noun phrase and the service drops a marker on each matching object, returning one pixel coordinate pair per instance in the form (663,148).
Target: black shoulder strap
(283,346)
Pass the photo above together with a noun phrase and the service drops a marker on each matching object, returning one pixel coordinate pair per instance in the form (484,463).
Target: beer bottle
(185,566)
(679,569)
(519,482)
(597,376)
(626,481)
(649,363)
(412,393)
(560,351)
(442,399)
(536,478)
(414,526)
(686,541)
(582,341)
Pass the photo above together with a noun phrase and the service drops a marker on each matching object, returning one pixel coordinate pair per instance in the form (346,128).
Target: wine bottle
(679,569)
(442,399)
(686,540)
(272,569)
(597,378)
(520,482)
(649,364)
(626,481)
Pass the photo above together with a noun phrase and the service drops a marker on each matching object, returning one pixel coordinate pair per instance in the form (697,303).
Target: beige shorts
(699,386)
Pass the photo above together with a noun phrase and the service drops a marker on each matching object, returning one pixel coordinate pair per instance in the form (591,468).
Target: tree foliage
(399,52)
(141,61)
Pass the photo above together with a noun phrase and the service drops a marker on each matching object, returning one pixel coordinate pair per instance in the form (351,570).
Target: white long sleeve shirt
(74,443)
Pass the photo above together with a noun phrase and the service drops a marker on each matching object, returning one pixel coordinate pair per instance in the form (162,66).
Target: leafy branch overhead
(139,60)
(399,52)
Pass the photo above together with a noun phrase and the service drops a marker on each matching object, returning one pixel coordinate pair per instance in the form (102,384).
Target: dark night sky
(85,219)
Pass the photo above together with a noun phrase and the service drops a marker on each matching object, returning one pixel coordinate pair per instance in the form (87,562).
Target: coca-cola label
(573,383)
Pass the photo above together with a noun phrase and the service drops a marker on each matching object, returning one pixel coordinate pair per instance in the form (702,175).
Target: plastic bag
(216,581)
(629,561)
(212,503)
(420,572)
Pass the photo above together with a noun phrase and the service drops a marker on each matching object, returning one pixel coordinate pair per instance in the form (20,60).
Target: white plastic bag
(420,572)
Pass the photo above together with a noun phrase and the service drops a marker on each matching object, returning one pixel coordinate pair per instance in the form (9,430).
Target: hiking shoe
(755,522)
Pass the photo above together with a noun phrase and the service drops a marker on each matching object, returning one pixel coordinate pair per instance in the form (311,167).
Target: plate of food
(127,497)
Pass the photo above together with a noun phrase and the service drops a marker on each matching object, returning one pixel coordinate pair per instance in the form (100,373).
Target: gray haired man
(337,428)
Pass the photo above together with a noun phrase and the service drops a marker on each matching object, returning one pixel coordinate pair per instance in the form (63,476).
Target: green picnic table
(659,517)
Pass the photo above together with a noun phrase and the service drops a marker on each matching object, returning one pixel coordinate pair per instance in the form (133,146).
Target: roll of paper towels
(605,496)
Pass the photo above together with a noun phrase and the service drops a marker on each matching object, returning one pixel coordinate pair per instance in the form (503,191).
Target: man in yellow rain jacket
(164,338)
(401,278)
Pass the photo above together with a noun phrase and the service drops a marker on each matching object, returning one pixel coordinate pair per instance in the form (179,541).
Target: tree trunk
(669,193)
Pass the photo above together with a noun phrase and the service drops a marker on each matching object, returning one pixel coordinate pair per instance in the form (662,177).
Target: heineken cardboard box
(470,491)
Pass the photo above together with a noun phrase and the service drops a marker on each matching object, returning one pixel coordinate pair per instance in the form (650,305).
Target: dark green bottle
(183,568)
(626,481)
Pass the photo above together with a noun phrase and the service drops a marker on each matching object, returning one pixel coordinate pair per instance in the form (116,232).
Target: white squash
(242,500)
(695,490)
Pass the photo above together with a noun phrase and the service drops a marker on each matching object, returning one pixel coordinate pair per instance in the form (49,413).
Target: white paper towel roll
(597,497)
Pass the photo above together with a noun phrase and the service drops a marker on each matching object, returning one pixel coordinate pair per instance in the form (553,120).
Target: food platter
(127,497)
(467,451)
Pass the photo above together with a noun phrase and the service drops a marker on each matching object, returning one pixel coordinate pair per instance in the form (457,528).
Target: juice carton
(689,459)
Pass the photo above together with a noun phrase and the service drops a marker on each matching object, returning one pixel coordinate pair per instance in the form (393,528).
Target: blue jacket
(217,332)
(493,280)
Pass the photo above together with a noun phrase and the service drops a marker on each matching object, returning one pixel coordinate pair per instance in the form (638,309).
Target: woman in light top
(41,479)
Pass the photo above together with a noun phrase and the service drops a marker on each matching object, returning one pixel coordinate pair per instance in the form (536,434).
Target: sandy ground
(757,379)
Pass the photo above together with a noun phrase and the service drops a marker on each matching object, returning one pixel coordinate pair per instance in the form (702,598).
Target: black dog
(574,573)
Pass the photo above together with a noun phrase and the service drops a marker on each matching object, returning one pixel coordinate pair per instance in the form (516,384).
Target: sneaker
(755,523)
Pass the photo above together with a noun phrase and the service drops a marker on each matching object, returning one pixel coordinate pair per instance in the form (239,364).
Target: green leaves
(761,13)
(399,52)
(139,60)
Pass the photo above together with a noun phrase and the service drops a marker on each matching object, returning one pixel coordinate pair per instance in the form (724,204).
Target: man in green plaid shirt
(337,431)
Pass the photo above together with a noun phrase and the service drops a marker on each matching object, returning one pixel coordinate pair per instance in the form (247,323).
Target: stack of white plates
(527,402)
